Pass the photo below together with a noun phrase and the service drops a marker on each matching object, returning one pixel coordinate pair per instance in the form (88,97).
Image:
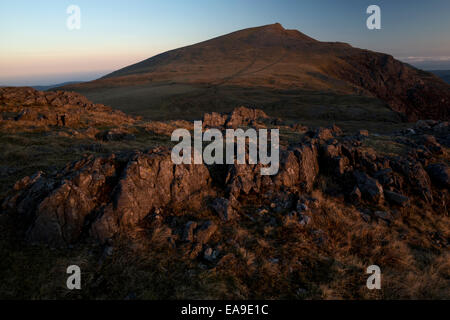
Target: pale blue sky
(37,48)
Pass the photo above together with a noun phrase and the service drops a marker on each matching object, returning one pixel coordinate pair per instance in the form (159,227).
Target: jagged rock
(370,188)
(417,177)
(299,167)
(439,174)
(164,184)
(290,218)
(243,116)
(324,134)
(30,107)
(308,165)
(210,255)
(432,144)
(237,118)
(100,197)
(205,232)
(188,232)
(355,195)
(305,220)
(224,208)
(301,207)
(299,128)
(383,215)
(384,176)
(27,114)
(114,193)
(214,119)
(396,198)
(365,215)
(333,159)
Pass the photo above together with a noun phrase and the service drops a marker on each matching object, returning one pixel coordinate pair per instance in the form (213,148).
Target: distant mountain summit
(273,58)
(248,54)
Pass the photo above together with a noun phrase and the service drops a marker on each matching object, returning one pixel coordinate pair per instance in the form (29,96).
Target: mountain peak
(276,26)
(276,29)
(271,56)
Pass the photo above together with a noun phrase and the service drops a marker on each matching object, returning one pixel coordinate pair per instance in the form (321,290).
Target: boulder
(370,188)
(188,232)
(205,232)
(106,195)
(396,198)
(439,174)
(239,117)
(355,195)
(225,208)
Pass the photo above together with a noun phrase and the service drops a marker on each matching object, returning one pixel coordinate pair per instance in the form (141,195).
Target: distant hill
(282,71)
(444,74)
(44,88)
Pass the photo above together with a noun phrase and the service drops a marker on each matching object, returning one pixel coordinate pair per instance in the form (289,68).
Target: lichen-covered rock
(298,168)
(106,195)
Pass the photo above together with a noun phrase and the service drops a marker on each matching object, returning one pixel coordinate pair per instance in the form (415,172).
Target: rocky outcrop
(239,117)
(101,196)
(396,198)
(299,168)
(370,188)
(440,174)
(416,94)
(24,106)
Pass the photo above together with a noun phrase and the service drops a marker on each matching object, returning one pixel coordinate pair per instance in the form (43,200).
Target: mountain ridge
(273,58)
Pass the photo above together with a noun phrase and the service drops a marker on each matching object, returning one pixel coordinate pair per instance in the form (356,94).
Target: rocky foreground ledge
(98,198)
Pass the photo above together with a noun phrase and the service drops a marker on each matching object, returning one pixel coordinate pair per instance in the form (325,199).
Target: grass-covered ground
(261,256)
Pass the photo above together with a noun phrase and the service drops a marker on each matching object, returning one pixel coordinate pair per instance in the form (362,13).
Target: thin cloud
(423,59)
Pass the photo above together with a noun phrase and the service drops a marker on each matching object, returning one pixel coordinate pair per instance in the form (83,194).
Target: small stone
(263,211)
(363,133)
(365,216)
(109,250)
(210,255)
(396,198)
(302,207)
(188,232)
(439,174)
(305,220)
(205,231)
(383,215)
(224,208)
(355,195)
